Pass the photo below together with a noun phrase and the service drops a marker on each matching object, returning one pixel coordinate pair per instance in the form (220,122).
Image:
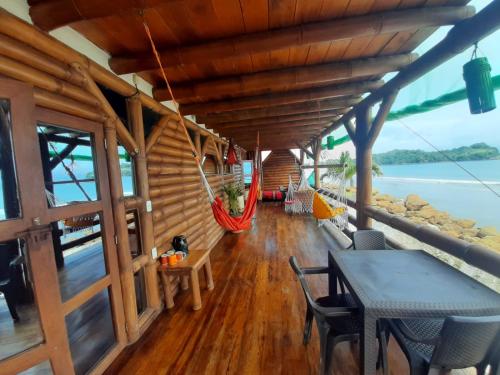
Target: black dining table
(405,284)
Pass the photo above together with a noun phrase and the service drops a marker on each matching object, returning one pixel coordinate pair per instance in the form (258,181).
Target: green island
(477,151)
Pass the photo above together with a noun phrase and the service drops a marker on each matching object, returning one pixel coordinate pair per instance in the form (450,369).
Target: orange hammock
(234,224)
(244,222)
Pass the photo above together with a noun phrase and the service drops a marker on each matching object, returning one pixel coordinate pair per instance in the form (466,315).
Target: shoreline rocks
(419,211)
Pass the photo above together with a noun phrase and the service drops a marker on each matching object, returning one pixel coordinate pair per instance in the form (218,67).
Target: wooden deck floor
(252,322)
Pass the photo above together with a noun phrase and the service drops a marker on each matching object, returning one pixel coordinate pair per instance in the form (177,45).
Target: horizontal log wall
(277,167)
(180,202)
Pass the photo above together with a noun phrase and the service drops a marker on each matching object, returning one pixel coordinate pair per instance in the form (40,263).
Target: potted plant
(233,192)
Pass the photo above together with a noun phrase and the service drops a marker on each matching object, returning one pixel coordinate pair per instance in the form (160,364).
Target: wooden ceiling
(286,68)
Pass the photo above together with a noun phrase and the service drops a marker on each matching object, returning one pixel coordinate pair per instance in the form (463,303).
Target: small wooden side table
(187,269)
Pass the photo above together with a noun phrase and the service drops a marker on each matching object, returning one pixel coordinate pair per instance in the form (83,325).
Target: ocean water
(448,188)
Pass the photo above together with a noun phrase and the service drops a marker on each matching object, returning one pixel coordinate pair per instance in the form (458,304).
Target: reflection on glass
(79,253)
(134,234)
(9,202)
(68,162)
(90,332)
(140,291)
(19,321)
(127,172)
(43,368)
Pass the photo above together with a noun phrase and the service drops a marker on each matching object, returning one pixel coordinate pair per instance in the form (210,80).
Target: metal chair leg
(325,344)
(308,326)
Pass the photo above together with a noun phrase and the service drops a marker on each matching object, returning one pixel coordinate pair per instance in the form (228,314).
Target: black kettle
(179,243)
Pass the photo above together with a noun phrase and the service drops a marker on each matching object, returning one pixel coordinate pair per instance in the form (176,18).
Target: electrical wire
(450,159)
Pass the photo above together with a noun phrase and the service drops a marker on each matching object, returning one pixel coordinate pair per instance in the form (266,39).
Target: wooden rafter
(293,124)
(270,100)
(311,116)
(285,79)
(312,33)
(282,110)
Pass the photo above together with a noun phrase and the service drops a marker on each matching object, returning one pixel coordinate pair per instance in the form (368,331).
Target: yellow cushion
(322,210)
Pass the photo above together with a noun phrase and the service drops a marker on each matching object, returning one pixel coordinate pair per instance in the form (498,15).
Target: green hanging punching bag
(330,142)
(480,93)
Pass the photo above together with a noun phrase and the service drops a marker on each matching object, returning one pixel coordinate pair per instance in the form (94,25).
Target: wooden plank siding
(277,167)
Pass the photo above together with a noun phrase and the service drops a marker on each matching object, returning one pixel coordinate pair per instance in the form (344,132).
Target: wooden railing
(473,254)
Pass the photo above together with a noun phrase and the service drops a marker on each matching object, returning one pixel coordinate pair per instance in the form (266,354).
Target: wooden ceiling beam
(306,34)
(280,119)
(285,79)
(282,110)
(251,132)
(291,124)
(51,14)
(270,100)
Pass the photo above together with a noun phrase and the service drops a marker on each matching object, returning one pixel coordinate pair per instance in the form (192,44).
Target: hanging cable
(450,159)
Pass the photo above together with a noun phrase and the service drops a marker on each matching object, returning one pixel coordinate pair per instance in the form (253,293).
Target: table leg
(195,289)
(208,275)
(184,282)
(368,346)
(167,291)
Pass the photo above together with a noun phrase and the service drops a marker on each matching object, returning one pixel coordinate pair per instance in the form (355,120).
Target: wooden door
(56,242)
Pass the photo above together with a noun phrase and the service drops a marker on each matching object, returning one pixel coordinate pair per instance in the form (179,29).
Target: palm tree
(350,168)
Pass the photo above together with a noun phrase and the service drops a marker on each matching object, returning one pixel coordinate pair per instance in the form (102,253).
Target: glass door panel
(19,317)
(78,240)
(91,333)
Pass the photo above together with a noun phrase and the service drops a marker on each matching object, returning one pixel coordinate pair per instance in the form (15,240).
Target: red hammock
(232,157)
(244,222)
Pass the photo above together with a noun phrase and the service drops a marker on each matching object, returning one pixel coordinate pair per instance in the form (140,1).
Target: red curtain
(244,222)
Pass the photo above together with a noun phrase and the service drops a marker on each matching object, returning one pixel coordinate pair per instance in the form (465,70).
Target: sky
(449,126)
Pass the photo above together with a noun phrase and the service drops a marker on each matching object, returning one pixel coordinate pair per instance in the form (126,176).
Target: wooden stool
(187,269)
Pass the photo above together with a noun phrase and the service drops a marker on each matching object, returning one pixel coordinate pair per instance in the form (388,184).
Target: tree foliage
(349,165)
(477,151)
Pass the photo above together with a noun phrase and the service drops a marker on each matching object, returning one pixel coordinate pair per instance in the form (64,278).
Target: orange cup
(172,260)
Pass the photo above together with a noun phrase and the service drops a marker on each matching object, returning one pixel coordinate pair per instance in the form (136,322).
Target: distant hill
(477,151)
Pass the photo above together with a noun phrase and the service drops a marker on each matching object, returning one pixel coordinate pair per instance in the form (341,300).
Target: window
(247,171)
(127,172)
(68,165)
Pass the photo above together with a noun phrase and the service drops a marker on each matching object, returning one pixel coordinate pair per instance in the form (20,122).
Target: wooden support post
(197,142)
(317,153)
(121,232)
(134,107)
(364,136)
(363,167)
(302,157)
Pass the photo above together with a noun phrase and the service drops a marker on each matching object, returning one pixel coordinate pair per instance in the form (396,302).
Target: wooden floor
(252,322)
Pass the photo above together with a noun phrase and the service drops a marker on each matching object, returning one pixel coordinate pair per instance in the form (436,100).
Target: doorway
(61,307)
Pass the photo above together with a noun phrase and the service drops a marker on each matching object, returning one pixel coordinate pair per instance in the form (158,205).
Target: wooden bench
(187,269)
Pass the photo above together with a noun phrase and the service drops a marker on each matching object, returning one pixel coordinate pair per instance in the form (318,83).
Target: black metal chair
(492,360)
(337,318)
(9,285)
(453,343)
(368,240)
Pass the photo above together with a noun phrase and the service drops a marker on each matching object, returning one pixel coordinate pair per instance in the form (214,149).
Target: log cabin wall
(277,167)
(180,202)
(64,81)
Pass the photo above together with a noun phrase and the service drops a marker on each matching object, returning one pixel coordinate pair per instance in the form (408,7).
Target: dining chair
(337,319)
(368,239)
(453,343)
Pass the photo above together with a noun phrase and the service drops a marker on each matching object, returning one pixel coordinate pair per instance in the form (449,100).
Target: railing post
(317,153)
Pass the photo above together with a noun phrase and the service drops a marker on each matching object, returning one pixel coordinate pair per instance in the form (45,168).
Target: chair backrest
(369,240)
(465,341)
(303,283)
